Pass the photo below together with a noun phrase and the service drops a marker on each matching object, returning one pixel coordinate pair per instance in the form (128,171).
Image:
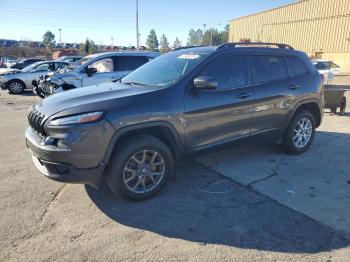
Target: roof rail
(186,47)
(233,45)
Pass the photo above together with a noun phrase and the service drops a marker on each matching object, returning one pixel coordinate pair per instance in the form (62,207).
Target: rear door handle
(295,86)
(244,95)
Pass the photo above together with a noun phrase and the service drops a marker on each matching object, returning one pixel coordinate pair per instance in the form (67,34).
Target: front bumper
(68,173)
(81,161)
(3,85)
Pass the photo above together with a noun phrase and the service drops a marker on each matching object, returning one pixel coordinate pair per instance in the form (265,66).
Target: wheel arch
(311,105)
(15,79)
(164,131)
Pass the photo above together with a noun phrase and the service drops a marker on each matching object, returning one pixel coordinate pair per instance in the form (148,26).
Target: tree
(92,48)
(49,39)
(152,40)
(215,37)
(164,44)
(195,37)
(177,43)
(225,34)
(88,47)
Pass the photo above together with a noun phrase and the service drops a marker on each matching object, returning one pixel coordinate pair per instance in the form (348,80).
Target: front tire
(16,87)
(140,167)
(300,133)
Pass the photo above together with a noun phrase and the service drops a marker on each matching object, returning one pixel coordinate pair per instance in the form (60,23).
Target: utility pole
(59,31)
(211,34)
(137,26)
(204,27)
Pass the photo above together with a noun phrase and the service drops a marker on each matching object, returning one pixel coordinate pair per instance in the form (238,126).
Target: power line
(111,27)
(106,13)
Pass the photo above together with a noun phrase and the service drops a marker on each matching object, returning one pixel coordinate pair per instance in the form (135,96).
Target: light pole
(137,26)
(112,41)
(204,27)
(59,31)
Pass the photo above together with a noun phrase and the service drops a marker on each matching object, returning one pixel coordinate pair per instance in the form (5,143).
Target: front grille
(35,119)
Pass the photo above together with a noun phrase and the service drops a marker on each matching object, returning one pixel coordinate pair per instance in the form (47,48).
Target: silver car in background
(16,81)
(69,59)
(98,68)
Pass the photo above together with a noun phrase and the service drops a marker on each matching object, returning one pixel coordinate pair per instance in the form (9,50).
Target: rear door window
(44,67)
(334,66)
(129,63)
(296,66)
(268,68)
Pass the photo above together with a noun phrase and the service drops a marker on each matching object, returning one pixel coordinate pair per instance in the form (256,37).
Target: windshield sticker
(188,56)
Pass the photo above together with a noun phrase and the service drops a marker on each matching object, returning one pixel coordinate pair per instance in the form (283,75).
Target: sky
(100,20)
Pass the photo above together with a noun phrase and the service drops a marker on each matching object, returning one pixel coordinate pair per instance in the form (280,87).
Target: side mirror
(205,82)
(91,71)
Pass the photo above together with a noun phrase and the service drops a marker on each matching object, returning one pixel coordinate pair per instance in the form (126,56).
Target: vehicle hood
(90,98)
(5,71)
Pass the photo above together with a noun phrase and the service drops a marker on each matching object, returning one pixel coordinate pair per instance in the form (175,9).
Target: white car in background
(10,62)
(327,68)
(99,68)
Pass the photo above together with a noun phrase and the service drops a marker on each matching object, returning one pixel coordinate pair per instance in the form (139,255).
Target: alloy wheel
(16,87)
(302,133)
(144,171)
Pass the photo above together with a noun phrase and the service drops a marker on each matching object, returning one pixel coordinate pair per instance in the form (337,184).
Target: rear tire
(333,109)
(140,167)
(343,106)
(300,133)
(16,87)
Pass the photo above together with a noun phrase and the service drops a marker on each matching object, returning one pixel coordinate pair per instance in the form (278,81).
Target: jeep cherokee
(131,132)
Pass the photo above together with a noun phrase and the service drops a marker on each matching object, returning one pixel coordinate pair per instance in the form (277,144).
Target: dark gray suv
(131,132)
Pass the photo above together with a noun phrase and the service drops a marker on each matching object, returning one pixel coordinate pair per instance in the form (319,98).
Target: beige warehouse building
(321,28)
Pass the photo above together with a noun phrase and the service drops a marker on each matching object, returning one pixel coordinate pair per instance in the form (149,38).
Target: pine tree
(177,43)
(152,40)
(164,44)
(49,39)
(195,37)
(88,47)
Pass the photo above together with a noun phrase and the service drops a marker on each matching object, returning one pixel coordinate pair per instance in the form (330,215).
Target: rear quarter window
(296,67)
(268,68)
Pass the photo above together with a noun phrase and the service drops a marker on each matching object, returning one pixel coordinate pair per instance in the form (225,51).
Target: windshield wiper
(134,83)
(117,80)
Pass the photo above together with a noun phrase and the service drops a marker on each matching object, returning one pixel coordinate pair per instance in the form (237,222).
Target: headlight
(77,119)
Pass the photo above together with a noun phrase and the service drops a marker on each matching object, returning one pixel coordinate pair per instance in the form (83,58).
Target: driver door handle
(244,95)
(295,86)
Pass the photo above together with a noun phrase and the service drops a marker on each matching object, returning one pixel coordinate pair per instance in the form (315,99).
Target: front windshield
(164,70)
(79,62)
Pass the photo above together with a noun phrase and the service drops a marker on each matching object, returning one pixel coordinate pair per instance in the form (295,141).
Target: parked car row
(59,75)
(20,80)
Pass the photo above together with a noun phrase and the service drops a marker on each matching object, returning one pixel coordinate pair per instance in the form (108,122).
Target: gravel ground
(199,216)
